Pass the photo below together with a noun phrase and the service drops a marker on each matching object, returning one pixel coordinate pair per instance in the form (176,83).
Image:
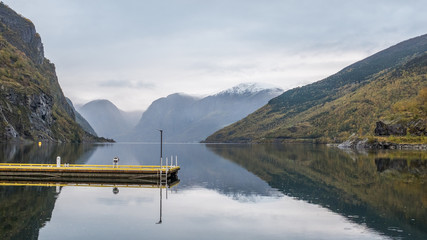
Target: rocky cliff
(32,105)
(23,34)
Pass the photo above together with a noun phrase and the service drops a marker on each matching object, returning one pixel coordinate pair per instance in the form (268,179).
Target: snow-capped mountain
(188,119)
(250,88)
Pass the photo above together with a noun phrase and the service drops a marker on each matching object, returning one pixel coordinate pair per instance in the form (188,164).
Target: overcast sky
(133,52)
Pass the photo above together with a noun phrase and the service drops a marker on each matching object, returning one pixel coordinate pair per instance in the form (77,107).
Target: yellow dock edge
(94,168)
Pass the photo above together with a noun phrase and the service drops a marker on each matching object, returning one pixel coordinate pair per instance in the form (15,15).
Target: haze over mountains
(183,118)
(107,120)
(188,119)
(81,120)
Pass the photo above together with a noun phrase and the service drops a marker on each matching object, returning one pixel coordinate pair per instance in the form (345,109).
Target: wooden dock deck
(87,173)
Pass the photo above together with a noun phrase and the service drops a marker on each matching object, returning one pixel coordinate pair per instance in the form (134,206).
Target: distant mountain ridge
(106,119)
(190,119)
(350,101)
(81,120)
(32,104)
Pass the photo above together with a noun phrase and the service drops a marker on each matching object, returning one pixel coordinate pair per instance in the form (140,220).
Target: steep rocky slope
(32,105)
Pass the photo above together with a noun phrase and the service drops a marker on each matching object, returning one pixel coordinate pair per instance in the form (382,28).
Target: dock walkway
(86,173)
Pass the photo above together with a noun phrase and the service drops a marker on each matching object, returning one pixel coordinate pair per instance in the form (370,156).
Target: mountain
(32,105)
(172,114)
(350,101)
(106,119)
(81,120)
(189,119)
(132,117)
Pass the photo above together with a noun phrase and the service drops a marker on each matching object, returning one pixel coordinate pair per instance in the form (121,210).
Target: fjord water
(295,191)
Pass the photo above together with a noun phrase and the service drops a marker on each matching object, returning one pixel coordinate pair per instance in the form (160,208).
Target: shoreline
(365,144)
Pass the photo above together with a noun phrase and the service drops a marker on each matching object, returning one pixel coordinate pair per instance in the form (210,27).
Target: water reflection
(238,191)
(416,166)
(26,207)
(345,182)
(32,153)
(24,210)
(200,167)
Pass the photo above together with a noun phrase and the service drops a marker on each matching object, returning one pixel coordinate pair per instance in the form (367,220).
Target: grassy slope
(350,101)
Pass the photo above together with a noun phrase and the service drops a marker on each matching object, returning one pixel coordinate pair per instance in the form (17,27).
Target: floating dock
(89,173)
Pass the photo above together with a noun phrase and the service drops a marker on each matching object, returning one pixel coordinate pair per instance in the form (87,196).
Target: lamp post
(161,147)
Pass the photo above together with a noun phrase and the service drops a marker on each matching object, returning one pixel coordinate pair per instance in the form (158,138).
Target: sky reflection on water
(86,213)
(225,192)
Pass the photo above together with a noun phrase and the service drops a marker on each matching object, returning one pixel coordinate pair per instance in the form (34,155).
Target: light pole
(161,147)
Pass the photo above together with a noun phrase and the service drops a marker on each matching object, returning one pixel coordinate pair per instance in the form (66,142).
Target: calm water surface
(225,192)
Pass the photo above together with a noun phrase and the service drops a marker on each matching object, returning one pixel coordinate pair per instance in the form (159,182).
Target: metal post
(161,144)
(160,169)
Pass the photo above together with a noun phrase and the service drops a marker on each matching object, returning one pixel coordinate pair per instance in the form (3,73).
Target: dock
(89,173)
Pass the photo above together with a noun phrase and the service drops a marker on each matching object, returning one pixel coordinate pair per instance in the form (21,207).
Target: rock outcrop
(383,129)
(418,127)
(415,128)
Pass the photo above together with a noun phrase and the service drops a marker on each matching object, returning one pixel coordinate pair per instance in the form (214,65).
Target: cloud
(115,83)
(150,49)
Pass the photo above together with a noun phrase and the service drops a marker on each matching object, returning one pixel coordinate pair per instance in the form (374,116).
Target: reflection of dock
(89,173)
(148,184)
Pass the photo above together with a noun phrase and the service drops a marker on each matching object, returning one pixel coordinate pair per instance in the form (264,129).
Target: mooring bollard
(115,162)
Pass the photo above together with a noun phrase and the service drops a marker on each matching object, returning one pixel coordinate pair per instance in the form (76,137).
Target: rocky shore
(357,143)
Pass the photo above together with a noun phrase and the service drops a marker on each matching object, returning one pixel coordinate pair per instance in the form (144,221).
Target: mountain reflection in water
(352,184)
(248,191)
